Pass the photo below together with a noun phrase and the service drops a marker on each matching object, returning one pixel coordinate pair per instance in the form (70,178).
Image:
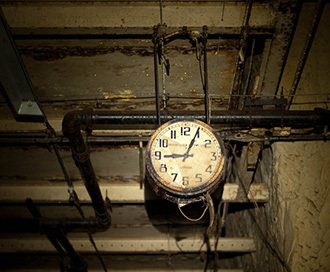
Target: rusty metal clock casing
(184,160)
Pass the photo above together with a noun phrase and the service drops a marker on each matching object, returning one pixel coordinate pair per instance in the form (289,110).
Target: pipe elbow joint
(71,123)
(73,120)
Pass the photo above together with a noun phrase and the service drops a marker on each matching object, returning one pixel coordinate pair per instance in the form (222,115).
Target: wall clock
(184,160)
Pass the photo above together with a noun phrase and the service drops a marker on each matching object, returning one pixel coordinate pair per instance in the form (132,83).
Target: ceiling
(98,56)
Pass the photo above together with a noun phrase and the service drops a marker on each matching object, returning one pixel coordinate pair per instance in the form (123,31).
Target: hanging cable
(250,69)
(223,10)
(163,74)
(193,219)
(60,161)
(74,200)
(207,100)
(319,7)
(161,11)
(169,256)
(272,247)
(216,66)
(232,102)
(73,197)
(221,219)
(199,58)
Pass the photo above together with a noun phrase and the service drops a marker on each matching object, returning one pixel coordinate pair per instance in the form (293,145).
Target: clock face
(185,157)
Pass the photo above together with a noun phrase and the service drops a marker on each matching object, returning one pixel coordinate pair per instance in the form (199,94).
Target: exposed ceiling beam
(129,244)
(129,17)
(127,191)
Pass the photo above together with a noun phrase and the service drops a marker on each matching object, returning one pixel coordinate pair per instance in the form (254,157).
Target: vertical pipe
(206,84)
(163,75)
(319,6)
(71,125)
(156,82)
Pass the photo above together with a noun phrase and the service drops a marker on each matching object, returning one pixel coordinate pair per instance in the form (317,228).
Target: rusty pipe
(72,123)
(227,119)
(206,84)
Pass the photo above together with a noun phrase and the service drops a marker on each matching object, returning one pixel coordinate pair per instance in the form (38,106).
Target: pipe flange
(104,218)
(81,157)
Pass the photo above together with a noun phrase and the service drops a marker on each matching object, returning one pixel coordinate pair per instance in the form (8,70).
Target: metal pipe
(319,6)
(206,84)
(72,123)
(228,119)
(156,79)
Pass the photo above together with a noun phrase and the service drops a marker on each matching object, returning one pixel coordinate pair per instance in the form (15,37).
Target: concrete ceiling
(99,54)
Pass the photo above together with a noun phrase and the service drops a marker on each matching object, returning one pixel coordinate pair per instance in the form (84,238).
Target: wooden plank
(128,244)
(127,191)
(110,163)
(114,262)
(258,192)
(123,216)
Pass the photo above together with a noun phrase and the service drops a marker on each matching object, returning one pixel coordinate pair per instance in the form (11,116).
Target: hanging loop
(193,219)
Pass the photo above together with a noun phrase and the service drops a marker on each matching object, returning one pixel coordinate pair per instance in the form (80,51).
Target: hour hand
(175,156)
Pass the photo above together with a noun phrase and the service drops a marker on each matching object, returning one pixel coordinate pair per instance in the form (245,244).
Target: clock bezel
(160,185)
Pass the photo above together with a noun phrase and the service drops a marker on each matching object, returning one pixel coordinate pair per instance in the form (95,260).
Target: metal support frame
(319,7)
(286,13)
(59,240)
(160,38)
(15,83)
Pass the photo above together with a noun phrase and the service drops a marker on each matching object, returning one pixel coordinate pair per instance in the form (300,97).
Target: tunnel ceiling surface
(100,55)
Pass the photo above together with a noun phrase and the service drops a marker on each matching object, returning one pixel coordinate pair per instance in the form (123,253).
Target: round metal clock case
(184,159)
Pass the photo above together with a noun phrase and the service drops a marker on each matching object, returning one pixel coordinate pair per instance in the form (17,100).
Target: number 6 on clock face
(185,158)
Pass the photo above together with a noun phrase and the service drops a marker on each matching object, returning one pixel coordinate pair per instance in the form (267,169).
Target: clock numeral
(163,143)
(173,134)
(185,181)
(199,178)
(163,168)
(214,157)
(185,131)
(207,143)
(175,176)
(158,155)
(208,169)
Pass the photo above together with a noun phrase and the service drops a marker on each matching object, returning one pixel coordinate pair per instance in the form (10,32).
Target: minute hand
(190,146)
(174,156)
